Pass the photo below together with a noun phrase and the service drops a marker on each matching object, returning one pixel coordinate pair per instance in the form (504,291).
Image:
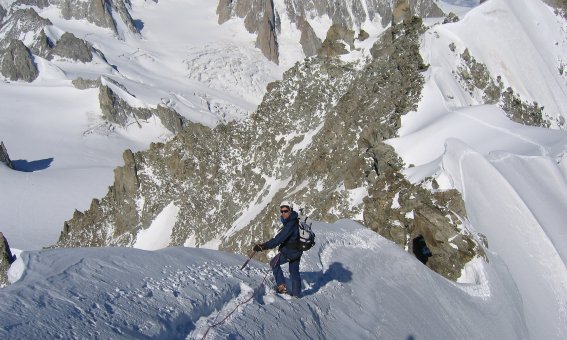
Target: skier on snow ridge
(286,239)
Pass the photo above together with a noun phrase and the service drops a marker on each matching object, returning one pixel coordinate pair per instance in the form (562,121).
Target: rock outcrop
(6,259)
(316,139)
(17,63)
(259,17)
(71,47)
(557,4)
(474,76)
(308,40)
(339,40)
(117,110)
(4,157)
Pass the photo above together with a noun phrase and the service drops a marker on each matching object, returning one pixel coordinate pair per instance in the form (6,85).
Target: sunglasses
(284,211)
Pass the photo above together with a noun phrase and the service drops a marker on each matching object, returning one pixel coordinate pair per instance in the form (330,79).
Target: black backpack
(306,238)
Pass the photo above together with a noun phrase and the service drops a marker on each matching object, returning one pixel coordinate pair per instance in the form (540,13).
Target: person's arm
(280,238)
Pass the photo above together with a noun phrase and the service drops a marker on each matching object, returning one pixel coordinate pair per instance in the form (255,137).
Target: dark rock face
(73,48)
(4,157)
(6,259)
(316,139)
(17,63)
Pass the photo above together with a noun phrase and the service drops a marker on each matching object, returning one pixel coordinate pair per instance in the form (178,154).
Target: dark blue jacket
(287,237)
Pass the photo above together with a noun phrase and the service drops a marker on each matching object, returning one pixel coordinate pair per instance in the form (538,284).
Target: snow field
(356,284)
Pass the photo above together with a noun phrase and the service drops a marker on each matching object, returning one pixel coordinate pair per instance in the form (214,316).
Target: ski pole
(250,256)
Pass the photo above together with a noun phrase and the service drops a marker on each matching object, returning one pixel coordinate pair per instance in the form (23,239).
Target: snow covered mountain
(357,285)
(454,130)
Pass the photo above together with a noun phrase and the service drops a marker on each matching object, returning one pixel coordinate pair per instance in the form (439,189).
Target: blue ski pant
(282,258)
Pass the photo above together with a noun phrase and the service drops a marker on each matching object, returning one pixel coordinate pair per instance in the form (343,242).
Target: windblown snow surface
(356,284)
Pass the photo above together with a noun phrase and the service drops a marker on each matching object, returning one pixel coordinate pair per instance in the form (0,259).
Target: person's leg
(277,269)
(295,277)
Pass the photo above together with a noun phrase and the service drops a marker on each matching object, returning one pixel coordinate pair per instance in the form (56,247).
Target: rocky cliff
(316,139)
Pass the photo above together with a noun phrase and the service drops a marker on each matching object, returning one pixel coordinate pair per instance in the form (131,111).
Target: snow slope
(356,285)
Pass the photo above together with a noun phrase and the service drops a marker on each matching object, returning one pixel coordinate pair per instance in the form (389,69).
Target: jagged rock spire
(6,259)
(4,158)
(259,17)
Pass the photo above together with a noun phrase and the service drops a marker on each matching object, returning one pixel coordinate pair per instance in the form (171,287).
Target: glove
(258,247)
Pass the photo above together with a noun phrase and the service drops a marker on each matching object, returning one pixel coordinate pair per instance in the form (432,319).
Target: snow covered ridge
(511,176)
(356,284)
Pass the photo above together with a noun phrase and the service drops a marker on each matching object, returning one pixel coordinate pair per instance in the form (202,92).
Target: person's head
(286,208)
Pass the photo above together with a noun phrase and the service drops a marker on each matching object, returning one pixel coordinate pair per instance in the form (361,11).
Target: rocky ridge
(316,139)
(262,18)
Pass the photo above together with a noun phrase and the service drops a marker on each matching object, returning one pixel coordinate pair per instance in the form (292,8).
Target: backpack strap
(292,244)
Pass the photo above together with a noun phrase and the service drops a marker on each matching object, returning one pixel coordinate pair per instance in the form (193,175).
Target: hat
(287,204)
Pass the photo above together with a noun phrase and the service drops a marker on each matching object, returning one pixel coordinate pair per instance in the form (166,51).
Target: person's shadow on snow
(335,272)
